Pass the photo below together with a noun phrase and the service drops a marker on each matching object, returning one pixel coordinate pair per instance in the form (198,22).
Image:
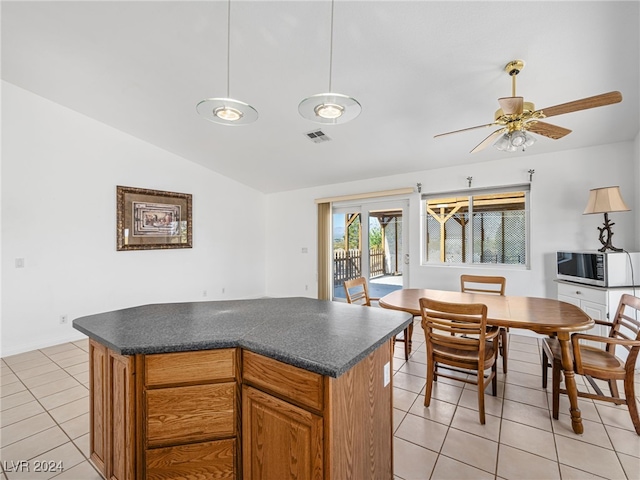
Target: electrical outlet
(386,374)
(63,319)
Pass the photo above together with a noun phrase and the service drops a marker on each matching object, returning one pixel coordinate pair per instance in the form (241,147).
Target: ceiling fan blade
(583,104)
(511,105)
(549,130)
(466,129)
(487,141)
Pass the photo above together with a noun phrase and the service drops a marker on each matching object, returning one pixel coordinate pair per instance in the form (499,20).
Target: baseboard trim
(72,336)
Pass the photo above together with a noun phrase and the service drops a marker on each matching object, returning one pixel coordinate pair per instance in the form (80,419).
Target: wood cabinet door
(214,460)
(279,440)
(121,418)
(97,408)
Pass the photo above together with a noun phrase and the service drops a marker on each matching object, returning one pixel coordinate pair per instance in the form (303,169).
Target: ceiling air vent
(317,136)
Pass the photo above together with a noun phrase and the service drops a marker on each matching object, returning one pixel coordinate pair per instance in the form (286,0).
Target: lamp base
(605,236)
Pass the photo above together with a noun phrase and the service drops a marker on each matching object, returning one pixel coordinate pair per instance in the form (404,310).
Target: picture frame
(152,219)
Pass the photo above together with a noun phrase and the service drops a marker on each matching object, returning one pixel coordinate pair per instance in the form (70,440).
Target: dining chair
(457,336)
(490,285)
(602,363)
(357,292)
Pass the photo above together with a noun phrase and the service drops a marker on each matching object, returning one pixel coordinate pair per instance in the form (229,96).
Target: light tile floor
(44,412)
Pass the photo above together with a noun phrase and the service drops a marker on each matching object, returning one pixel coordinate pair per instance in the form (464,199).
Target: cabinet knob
(578,292)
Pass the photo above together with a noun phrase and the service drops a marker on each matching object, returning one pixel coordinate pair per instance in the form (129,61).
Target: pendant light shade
(227,111)
(330,108)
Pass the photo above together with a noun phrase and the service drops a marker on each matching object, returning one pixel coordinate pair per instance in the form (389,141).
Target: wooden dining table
(546,316)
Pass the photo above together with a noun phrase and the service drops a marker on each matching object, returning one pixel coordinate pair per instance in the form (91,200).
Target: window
(484,227)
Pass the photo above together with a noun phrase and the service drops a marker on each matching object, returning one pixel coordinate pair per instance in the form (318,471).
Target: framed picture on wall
(152,219)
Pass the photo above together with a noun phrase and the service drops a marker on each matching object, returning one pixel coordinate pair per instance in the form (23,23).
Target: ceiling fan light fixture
(529,140)
(514,141)
(503,144)
(518,138)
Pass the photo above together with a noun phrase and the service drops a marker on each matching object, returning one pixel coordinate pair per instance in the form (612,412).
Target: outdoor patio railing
(347,264)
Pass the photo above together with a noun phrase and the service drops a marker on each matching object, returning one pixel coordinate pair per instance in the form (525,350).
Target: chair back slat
(483,284)
(451,325)
(357,291)
(626,324)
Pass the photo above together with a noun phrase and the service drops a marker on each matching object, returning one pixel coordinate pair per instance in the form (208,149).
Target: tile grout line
(56,424)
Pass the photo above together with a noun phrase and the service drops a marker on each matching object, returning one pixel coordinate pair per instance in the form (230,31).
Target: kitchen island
(257,389)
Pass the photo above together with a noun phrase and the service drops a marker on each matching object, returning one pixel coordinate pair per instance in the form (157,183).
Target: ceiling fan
(515,117)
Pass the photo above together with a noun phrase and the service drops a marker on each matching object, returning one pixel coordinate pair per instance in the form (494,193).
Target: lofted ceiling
(418,68)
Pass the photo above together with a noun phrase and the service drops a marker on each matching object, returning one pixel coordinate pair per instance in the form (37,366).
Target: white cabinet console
(598,302)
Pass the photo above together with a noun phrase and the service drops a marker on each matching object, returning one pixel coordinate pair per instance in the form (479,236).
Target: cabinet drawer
(198,461)
(190,367)
(190,414)
(581,292)
(296,384)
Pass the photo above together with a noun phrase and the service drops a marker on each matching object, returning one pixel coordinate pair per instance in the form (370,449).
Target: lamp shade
(604,200)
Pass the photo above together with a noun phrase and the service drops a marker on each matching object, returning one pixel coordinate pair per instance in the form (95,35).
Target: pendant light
(227,111)
(330,108)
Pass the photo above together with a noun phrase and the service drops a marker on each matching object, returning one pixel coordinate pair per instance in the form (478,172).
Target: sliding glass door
(369,240)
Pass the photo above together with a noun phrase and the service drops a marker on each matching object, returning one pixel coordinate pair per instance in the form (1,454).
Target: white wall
(636,208)
(559,194)
(59,175)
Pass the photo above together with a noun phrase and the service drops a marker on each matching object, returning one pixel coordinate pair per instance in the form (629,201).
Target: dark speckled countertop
(321,336)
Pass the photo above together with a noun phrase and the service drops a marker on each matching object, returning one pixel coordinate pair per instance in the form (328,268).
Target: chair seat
(593,359)
(465,357)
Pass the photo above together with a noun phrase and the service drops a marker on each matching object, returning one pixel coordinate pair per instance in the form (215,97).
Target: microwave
(617,269)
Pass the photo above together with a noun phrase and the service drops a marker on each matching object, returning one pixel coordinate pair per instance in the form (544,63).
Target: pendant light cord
(228,46)
(331,48)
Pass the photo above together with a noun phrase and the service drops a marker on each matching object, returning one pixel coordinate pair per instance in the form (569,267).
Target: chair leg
(613,387)
(408,332)
(555,379)
(632,404)
(481,386)
(494,380)
(431,366)
(504,348)
(545,368)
